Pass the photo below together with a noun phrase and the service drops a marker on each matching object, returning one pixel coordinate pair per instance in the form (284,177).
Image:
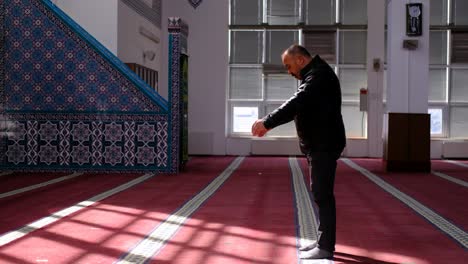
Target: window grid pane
(245,83)
(460,11)
(436,121)
(458,122)
(353,47)
(247,47)
(438,48)
(355,121)
(459,86)
(319,12)
(459,47)
(243,118)
(277,42)
(246,12)
(353,12)
(438,12)
(351,81)
(283,12)
(323,43)
(437,85)
(279,87)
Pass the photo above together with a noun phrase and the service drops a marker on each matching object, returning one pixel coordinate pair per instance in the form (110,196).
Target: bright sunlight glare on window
(244,117)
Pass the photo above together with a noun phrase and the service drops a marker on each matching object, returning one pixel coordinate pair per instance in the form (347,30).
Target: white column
(408,70)
(375,51)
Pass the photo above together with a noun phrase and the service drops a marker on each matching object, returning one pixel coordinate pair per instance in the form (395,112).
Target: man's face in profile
(293,63)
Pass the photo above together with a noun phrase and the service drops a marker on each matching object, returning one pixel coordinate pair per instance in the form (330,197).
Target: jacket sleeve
(286,112)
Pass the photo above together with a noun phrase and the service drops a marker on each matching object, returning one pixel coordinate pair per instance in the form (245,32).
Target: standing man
(316,110)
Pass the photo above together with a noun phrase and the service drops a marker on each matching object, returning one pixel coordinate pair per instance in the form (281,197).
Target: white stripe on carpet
(452,179)
(158,238)
(39,185)
(461,164)
(5,173)
(307,220)
(16,234)
(445,226)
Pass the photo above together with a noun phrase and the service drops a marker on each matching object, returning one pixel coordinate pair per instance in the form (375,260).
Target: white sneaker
(308,247)
(316,253)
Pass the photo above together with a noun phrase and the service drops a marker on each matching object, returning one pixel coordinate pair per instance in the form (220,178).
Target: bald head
(295,58)
(296,50)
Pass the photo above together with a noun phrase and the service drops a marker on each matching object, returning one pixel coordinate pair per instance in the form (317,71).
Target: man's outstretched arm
(283,114)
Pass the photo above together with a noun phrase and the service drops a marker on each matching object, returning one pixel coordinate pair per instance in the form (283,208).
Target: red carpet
(18,180)
(249,220)
(17,211)
(374,227)
(101,233)
(450,169)
(439,194)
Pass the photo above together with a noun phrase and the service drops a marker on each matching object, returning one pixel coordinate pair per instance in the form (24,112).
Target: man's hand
(258,129)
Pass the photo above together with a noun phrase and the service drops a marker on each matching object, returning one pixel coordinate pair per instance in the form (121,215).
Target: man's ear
(301,60)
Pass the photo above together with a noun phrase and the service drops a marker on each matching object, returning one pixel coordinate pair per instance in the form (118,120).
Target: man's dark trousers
(322,168)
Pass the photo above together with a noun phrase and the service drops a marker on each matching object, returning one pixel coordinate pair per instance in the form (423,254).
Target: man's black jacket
(316,110)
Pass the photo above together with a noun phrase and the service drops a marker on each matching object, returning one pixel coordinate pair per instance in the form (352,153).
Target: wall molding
(153,15)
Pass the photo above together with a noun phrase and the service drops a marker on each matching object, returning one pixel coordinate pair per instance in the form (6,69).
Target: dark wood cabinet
(407,147)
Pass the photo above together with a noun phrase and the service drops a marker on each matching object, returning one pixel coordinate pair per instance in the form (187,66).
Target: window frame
(301,28)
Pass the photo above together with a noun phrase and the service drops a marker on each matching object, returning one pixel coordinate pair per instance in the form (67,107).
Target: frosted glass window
(243,118)
(438,47)
(436,121)
(353,12)
(245,83)
(321,42)
(353,47)
(459,122)
(286,130)
(459,49)
(438,12)
(277,42)
(460,11)
(437,84)
(459,92)
(280,87)
(283,12)
(351,81)
(320,12)
(246,12)
(354,120)
(246,47)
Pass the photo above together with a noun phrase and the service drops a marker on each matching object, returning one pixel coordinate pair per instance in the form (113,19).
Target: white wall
(99,18)
(132,44)
(208,65)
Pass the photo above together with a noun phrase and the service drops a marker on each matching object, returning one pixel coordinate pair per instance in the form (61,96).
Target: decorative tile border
(88,141)
(177,31)
(3,121)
